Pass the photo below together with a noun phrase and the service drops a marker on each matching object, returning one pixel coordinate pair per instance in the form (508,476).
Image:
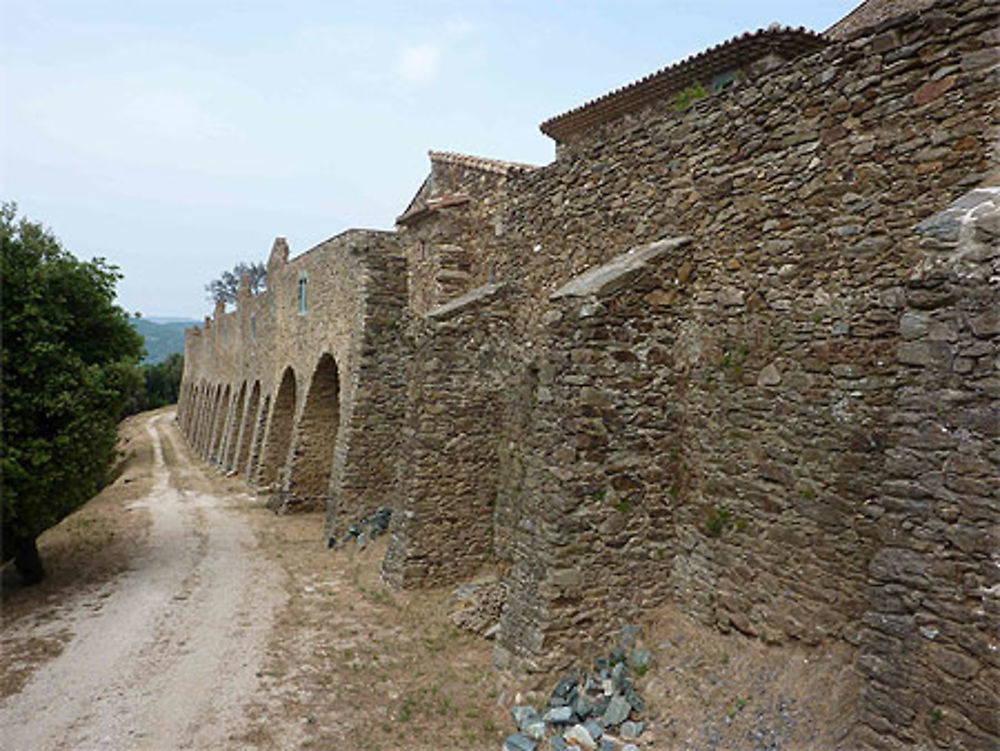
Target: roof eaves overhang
(739,52)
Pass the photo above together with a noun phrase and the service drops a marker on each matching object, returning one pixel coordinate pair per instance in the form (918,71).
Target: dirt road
(168,654)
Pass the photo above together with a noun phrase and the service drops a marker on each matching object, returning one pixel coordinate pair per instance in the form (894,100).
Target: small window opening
(303,295)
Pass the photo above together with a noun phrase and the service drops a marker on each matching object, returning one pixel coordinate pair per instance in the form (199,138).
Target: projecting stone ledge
(615,273)
(470,300)
(945,227)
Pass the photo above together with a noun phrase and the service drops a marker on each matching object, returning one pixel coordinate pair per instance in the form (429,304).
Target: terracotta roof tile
(478,162)
(734,54)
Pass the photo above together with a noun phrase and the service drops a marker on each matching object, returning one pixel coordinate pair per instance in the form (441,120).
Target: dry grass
(81,555)
(353,664)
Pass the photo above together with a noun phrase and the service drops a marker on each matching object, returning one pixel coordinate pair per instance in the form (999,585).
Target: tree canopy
(161,385)
(69,364)
(226,287)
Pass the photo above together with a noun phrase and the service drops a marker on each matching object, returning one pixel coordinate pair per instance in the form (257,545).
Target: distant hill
(171,319)
(164,336)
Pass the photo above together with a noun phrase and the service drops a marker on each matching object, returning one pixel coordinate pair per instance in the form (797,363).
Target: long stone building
(737,346)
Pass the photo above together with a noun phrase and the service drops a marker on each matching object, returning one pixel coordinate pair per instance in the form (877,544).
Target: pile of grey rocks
(593,711)
(368,528)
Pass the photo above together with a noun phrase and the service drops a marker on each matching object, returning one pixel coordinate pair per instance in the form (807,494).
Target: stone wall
(450,463)
(930,649)
(771,351)
(328,437)
(594,536)
(783,415)
(448,224)
(748,395)
(690,442)
(718,426)
(366,466)
(686,446)
(818,163)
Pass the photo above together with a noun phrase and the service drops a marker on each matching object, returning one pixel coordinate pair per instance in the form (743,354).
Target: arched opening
(200,415)
(212,415)
(247,428)
(235,427)
(195,420)
(190,400)
(253,462)
(184,409)
(227,425)
(216,419)
(312,462)
(220,426)
(279,432)
(182,402)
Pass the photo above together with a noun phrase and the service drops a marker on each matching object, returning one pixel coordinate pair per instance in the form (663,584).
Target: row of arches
(285,441)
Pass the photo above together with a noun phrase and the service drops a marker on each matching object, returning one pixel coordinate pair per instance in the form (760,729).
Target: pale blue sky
(177,138)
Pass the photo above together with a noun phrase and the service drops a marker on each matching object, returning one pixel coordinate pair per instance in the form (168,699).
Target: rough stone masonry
(738,346)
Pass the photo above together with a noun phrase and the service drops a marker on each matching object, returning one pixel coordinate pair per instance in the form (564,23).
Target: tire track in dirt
(173,654)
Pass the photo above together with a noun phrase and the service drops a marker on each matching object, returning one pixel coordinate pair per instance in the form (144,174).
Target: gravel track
(171,656)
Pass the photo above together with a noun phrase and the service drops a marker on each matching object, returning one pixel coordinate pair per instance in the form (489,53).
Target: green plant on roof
(689,96)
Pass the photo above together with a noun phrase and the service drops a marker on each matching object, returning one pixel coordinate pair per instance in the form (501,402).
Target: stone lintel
(946,225)
(607,278)
(431,206)
(475,298)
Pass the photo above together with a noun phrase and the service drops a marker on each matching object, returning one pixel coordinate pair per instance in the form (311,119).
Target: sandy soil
(164,654)
(81,555)
(353,664)
(714,691)
(180,613)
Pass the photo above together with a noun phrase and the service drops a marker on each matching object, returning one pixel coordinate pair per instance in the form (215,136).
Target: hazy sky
(178,138)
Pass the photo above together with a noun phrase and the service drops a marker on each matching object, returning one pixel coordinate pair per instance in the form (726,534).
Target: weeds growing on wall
(689,96)
(719,520)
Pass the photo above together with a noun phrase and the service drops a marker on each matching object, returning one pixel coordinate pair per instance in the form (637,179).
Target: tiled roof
(729,56)
(481,163)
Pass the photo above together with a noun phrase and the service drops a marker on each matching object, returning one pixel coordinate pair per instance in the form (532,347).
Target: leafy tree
(160,386)
(163,381)
(69,362)
(226,287)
